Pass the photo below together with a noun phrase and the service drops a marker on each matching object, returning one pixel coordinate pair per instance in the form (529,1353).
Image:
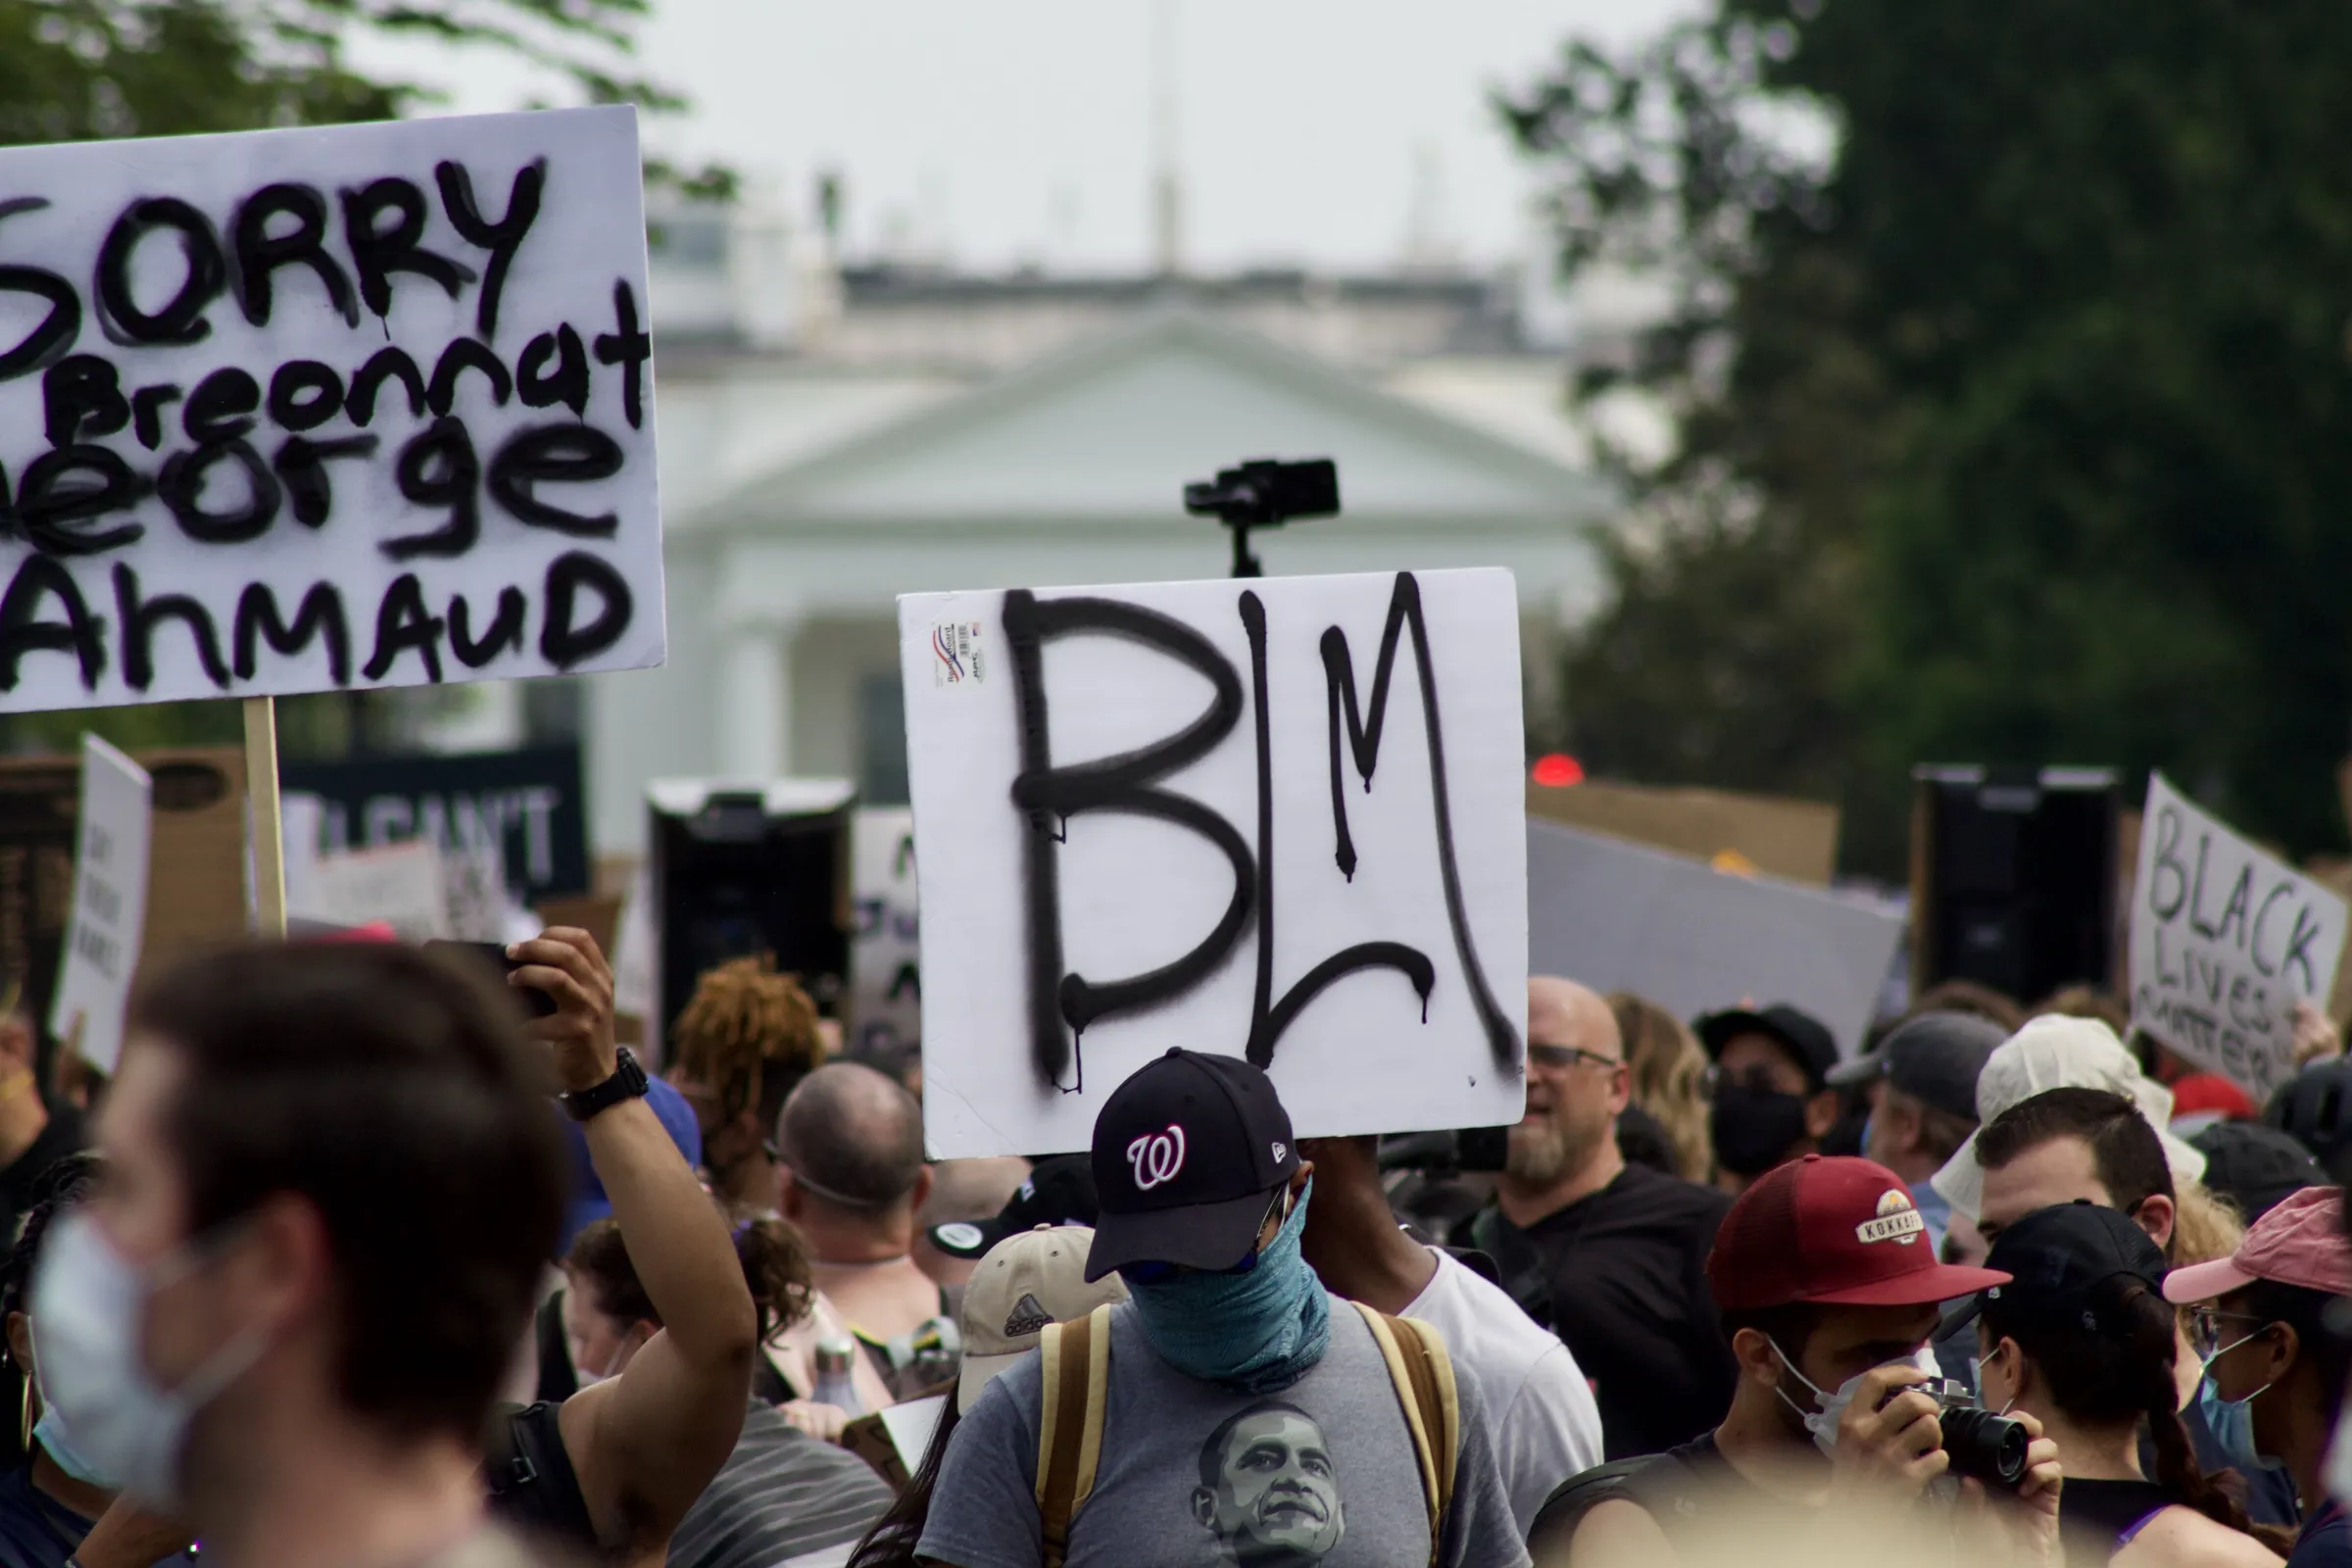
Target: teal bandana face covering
(1254,1332)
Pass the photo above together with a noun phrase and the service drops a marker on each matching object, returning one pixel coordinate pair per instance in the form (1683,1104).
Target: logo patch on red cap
(1897,1222)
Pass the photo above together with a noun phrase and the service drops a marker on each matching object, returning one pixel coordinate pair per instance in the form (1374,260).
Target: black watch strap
(626,1083)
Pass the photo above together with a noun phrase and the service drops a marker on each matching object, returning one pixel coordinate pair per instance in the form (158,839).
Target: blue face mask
(1254,1332)
(2232,1421)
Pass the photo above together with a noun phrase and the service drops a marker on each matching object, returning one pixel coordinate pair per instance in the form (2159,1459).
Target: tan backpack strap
(1076,1358)
(1423,1373)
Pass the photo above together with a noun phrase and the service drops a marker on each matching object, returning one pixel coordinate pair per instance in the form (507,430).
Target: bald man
(850,1176)
(1610,1256)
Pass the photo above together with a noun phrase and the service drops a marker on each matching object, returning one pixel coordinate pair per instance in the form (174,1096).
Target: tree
(2026,400)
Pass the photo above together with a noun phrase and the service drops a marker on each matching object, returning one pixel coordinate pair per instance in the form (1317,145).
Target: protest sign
(886,980)
(349,405)
(1618,917)
(525,805)
(110,904)
(2225,939)
(1280,818)
(402,885)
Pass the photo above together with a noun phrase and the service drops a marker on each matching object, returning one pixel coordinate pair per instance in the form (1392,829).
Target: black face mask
(1754,1129)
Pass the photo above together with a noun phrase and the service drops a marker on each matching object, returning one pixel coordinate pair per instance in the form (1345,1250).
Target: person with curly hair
(744,1040)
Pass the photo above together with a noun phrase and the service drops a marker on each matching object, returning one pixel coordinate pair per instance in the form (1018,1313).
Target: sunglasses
(1154,1273)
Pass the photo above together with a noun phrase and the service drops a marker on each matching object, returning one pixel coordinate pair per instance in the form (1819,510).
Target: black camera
(1990,1448)
(1264,493)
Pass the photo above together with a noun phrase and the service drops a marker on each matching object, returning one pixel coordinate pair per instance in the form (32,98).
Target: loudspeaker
(2013,877)
(738,870)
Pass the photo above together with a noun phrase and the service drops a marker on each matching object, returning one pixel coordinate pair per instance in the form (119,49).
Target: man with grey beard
(1610,1256)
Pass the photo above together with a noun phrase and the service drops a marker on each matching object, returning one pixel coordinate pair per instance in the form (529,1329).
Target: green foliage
(2011,426)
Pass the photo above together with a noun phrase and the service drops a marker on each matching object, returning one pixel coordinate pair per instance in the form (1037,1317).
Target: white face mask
(1823,1422)
(92,1309)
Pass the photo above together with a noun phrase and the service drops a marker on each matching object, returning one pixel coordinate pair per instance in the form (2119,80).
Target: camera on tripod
(1264,492)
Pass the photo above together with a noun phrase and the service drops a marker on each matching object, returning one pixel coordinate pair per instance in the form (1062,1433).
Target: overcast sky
(1013,132)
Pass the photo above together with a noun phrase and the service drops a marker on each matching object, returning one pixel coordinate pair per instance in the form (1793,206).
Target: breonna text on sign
(2224,940)
(300,410)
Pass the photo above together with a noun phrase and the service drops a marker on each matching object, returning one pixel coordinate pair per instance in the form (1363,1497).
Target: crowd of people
(358,1262)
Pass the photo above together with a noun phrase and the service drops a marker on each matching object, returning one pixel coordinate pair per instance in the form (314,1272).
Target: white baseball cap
(1025,1283)
(2059,1051)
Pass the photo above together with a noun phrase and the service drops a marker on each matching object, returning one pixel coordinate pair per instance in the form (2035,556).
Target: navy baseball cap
(1807,1037)
(1057,1192)
(1187,1155)
(2056,1258)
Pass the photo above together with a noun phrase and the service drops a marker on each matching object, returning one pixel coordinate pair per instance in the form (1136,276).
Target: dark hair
(393,1091)
(2117,1374)
(1972,996)
(892,1541)
(775,1266)
(853,1136)
(1790,1326)
(2305,1311)
(2124,1148)
(65,1183)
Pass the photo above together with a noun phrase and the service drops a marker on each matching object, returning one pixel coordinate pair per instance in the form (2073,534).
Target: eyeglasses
(1154,1273)
(2205,1329)
(1566,1056)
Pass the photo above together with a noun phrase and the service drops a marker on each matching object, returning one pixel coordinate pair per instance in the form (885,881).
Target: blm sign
(303,410)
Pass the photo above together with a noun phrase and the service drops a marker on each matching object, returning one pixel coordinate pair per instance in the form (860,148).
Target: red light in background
(1557,770)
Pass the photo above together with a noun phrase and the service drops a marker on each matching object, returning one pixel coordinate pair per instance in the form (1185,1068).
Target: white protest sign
(1622,916)
(1281,818)
(403,885)
(110,904)
(2225,938)
(343,407)
(886,981)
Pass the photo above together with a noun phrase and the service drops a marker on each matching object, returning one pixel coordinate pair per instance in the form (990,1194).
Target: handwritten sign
(885,977)
(110,904)
(1280,818)
(329,408)
(2225,938)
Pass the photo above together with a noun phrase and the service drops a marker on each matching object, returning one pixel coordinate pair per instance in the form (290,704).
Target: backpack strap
(1076,1358)
(1423,1373)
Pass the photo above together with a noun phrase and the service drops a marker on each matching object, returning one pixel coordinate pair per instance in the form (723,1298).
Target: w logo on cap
(1156,1158)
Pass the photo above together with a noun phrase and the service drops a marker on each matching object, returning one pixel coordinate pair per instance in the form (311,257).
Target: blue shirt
(2325,1539)
(36,1531)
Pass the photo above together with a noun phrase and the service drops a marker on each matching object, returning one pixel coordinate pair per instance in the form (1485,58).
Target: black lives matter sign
(305,410)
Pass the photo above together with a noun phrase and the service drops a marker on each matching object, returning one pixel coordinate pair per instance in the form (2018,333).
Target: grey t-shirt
(1320,1475)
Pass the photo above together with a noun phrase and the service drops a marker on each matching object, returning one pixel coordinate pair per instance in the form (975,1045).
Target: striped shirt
(781,1493)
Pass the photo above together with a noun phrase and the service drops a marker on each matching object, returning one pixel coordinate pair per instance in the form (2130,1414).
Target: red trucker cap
(1838,1231)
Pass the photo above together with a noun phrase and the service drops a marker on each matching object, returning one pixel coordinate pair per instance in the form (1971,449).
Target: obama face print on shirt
(1267,1492)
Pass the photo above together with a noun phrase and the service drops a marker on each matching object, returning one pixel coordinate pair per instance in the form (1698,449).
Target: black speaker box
(2013,877)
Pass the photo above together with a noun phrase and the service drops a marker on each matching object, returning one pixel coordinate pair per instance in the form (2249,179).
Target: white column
(755,701)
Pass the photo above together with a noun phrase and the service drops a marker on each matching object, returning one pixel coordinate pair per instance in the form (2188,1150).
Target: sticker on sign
(348,405)
(2226,939)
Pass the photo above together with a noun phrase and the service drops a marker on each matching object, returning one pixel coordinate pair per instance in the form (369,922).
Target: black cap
(1057,1192)
(1934,1058)
(1805,1035)
(1187,1155)
(2055,1257)
(2256,1167)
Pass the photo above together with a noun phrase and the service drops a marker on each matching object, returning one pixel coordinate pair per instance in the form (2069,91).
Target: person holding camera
(2081,1338)
(1829,1291)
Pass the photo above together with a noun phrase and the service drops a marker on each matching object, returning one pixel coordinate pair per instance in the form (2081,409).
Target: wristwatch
(626,1083)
